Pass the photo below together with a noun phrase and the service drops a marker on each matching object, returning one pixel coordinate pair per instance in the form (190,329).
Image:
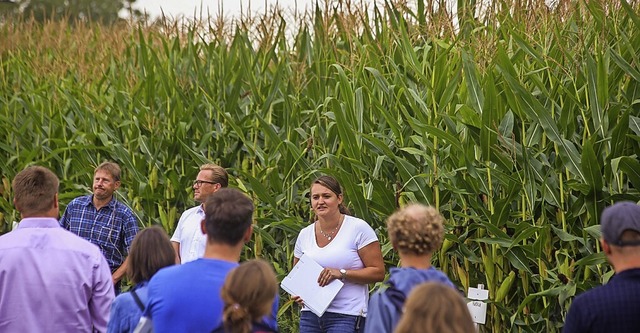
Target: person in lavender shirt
(50,279)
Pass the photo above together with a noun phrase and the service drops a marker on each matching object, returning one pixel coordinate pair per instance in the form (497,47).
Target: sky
(230,8)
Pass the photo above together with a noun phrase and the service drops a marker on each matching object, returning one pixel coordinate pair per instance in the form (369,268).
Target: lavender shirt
(52,280)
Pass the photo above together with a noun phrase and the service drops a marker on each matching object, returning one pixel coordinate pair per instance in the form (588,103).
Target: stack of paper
(303,281)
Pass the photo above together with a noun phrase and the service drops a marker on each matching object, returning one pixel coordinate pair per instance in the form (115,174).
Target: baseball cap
(618,218)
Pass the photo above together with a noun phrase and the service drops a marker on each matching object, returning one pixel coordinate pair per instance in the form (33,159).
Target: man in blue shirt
(103,220)
(186,298)
(615,306)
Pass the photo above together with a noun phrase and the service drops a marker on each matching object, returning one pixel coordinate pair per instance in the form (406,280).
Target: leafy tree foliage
(105,12)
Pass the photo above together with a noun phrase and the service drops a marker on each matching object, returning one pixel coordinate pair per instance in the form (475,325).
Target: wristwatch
(344,274)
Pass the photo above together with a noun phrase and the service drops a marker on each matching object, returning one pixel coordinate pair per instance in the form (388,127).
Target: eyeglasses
(199,182)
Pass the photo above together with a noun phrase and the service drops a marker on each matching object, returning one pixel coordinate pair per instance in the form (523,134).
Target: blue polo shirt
(613,307)
(186,298)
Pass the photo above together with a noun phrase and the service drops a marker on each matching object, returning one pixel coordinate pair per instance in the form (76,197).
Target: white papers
(303,281)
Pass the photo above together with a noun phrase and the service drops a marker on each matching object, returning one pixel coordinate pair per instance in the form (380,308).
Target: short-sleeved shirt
(186,298)
(112,228)
(613,307)
(341,253)
(189,234)
(52,280)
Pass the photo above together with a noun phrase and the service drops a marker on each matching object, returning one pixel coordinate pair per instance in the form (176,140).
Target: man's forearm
(119,273)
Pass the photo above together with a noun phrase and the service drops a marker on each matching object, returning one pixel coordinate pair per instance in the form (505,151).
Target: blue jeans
(330,323)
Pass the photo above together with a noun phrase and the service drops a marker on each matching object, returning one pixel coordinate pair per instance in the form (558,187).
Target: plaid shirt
(613,307)
(112,228)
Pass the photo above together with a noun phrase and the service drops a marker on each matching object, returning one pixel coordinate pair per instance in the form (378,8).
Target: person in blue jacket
(151,250)
(415,231)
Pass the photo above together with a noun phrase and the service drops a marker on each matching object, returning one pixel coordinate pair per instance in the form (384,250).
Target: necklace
(329,234)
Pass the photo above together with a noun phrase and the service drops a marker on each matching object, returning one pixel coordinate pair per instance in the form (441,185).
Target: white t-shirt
(189,235)
(341,252)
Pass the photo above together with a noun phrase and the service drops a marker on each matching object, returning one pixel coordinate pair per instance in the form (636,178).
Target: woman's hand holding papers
(327,275)
(298,300)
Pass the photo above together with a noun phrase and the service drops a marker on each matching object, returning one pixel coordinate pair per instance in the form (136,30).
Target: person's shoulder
(192,210)
(439,276)
(356,222)
(12,238)
(376,295)
(189,212)
(380,312)
(170,275)
(80,201)
(594,296)
(167,273)
(122,207)
(66,240)
(122,300)
(212,265)
(308,228)
(188,269)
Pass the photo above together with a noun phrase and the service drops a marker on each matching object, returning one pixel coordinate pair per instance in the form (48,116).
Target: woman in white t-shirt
(348,249)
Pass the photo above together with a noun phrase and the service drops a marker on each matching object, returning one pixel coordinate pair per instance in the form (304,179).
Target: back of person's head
(228,216)
(248,293)
(416,229)
(112,168)
(218,174)
(435,307)
(150,251)
(34,191)
(334,186)
(620,224)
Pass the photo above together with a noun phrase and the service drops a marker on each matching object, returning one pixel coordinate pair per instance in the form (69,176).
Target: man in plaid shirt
(103,220)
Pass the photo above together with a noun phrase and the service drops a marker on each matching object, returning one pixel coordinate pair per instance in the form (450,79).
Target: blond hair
(112,168)
(435,307)
(416,229)
(248,293)
(218,174)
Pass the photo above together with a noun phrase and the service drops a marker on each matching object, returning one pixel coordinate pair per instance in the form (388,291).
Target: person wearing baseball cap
(615,306)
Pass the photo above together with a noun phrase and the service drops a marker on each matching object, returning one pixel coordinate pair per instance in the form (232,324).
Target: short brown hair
(112,168)
(435,307)
(228,214)
(34,190)
(416,229)
(150,251)
(248,293)
(219,174)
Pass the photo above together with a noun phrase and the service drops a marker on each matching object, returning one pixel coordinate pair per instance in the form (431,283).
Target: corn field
(520,124)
